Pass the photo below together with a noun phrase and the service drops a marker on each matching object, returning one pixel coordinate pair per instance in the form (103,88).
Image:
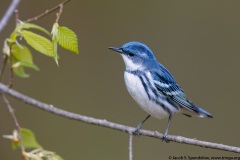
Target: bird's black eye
(130,54)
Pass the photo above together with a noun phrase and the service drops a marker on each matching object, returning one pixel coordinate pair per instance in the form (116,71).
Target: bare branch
(130,147)
(16,16)
(8,14)
(59,13)
(12,113)
(11,67)
(48,11)
(3,66)
(115,126)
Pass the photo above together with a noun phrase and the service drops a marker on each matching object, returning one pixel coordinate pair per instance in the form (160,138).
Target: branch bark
(18,127)
(8,14)
(104,123)
(130,147)
(48,11)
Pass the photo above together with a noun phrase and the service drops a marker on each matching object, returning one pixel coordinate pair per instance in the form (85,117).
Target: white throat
(129,64)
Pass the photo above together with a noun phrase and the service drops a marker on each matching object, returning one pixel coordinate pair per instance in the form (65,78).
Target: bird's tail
(198,111)
(202,113)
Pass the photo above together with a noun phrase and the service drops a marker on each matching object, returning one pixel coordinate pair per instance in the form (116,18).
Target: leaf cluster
(20,55)
(29,142)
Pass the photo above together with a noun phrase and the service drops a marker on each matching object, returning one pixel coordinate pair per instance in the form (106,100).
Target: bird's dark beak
(117,49)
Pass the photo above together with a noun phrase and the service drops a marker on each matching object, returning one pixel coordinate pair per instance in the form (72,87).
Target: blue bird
(153,87)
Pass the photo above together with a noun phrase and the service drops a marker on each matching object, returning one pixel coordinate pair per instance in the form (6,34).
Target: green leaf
(22,56)
(6,48)
(39,43)
(34,26)
(20,72)
(29,65)
(50,155)
(54,41)
(13,37)
(67,39)
(41,154)
(28,139)
(23,25)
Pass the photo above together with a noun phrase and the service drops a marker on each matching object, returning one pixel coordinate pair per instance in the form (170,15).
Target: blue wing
(165,83)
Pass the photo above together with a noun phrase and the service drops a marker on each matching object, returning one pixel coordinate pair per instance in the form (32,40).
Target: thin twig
(18,127)
(8,14)
(59,13)
(11,67)
(115,126)
(130,147)
(16,16)
(48,11)
(3,66)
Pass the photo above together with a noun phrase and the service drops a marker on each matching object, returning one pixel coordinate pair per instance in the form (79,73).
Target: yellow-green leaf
(67,39)
(39,43)
(23,25)
(48,155)
(34,26)
(13,37)
(6,48)
(22,56)
(20,72)
(54,41)
(28,139)
(41,154)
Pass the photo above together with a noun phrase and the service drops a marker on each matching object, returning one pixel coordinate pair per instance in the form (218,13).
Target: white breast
(137,91)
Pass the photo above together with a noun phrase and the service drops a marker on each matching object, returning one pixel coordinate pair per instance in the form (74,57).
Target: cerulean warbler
(153,87)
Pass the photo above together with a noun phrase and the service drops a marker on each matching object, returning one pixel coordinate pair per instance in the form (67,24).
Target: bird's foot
(136,132)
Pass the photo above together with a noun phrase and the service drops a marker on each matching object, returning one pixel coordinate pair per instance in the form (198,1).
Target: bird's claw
(164,138)
(136,132)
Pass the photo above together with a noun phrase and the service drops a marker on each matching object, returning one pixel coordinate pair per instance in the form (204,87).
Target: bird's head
(135,55)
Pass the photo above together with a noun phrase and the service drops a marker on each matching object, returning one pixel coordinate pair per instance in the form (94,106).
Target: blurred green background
(198,41)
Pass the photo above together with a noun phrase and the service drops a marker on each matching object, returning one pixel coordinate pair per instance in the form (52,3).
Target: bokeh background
(198,41)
